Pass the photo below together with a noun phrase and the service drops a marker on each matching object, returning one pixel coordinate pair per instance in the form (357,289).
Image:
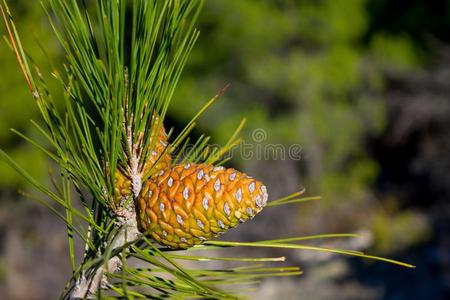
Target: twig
(95,278)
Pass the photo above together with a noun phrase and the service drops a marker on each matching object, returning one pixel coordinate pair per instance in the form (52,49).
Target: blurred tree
(307,73)
(301,69)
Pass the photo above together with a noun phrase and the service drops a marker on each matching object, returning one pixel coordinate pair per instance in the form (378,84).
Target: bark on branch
(94,278)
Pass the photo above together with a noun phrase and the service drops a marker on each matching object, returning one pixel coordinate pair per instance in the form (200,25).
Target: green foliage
(394,53)
(395,230)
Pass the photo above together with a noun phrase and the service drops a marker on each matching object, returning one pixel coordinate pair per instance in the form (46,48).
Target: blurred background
(362,87)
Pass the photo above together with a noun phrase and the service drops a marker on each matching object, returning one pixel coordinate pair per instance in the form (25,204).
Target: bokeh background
(363,86)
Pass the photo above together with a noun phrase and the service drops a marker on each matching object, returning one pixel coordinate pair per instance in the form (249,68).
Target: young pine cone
(158,159)
(186,205)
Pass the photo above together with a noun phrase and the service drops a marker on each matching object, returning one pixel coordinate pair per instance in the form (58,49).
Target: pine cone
(158,159)
(186,205)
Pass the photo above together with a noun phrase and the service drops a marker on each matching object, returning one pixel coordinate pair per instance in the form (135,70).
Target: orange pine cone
(186,205)
(158,159)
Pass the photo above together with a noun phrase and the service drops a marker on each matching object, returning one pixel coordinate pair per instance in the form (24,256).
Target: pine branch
(94,278)
(106,129)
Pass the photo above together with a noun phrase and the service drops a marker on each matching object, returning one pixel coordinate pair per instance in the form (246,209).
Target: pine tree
(108,140)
